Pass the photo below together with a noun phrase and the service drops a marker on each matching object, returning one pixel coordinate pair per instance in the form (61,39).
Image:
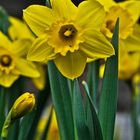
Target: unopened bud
(22,105)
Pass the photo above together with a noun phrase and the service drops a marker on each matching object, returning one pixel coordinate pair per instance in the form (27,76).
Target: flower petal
(4,41)
(107,3)
(7,80)
(90,14)
(72,65)
(96,45)
(64,8)
(26,68)
(38,18)
(21,47)
(133,7)
(40,81)
(40,51)
(19,29)
(132,43)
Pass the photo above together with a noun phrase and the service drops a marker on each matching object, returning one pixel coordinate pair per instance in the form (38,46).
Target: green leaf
(62,103)
(4,22)
(26,125)
(48,3)
(13,131)
(135,112)
(79,113)
(45,132)
(2,107)
(92,118)
(108,98)
(41,100)
(93,79)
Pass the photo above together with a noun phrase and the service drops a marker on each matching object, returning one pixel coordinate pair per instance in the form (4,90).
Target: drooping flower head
(12,64)
(67,34)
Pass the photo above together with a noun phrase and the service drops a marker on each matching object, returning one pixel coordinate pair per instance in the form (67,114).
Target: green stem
(2,107)
(6,126)
(135,113)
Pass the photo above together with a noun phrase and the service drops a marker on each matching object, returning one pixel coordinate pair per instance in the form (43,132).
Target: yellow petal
(3,51)
(133,7)
(21,47)
(91,60)
(107,3)
(7,80)
(90,14)
(4,41)
(96,45)
(40,51)
(41,80)
(39,18)
(132,43)
(53,132)
(26,68)
(64,8)
(72,65)
(128,65)
(23,105)
(19,29)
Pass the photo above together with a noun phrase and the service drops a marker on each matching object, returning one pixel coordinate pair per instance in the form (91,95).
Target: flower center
(68,32)
(110,25)
(5,60)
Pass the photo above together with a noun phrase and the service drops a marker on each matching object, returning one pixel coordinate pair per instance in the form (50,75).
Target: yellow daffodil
(128,13)
(12,64)
(129,65)
(67,34)
(19,30)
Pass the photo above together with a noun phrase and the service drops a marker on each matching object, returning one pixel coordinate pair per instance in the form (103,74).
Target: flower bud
(22,105)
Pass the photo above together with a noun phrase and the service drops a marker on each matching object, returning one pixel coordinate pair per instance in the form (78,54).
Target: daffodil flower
(129,65)
(19,30)
(128,13)
(12,64)
(67,34)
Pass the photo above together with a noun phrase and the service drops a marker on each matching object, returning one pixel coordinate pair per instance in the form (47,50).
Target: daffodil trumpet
(23,105)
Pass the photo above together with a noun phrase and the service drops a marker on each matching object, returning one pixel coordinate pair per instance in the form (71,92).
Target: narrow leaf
(108,98)
(79,113)
(4,22)
(25,126)
(92,118)
(2,107)
(62,103)
(93,79)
